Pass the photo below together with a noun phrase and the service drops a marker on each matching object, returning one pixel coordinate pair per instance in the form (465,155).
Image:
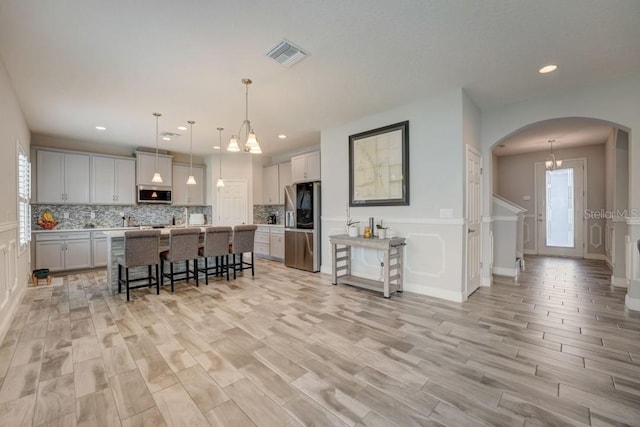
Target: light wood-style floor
(287,348)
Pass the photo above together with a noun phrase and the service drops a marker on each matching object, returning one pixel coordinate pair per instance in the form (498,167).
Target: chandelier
(552,163)
(250,144)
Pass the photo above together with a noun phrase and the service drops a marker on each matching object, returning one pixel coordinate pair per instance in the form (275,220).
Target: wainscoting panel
(10,291)
(434,256)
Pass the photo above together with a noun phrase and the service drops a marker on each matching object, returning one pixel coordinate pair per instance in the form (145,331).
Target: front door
(560,209)
(472,220)
(232,202)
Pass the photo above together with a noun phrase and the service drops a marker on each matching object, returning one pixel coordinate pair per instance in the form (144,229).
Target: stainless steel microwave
(148,194)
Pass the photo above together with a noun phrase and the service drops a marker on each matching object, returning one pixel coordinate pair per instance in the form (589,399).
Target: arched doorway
(583,201)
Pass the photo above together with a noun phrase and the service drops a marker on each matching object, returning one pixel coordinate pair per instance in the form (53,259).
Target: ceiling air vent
(286,53)
(169,134)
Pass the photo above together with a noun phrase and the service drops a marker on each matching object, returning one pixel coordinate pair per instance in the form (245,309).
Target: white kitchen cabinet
(63,250)
(261,241)
(185,194)
(113,180)
(270,186)
(62,177)
(276,243)
(269,242)
(284,178)
(146,167)
(99,249)
(305,167)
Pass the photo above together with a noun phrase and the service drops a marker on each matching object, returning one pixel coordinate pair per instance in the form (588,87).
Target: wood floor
(287,348)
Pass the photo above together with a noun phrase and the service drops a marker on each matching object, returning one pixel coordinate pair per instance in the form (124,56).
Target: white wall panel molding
(595,235)
(399,221)
(7,226)
(487,219)
(416,257)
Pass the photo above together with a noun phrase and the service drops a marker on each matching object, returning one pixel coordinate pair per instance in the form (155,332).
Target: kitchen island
(115,249)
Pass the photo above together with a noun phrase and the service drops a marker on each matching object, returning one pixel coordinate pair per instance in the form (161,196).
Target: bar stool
(216,245)
(140,249)
(183,246)
(242,242)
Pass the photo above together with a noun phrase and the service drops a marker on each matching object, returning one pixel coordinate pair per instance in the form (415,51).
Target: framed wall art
(379,166)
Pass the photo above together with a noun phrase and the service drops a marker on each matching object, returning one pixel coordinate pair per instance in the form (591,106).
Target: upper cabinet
(62,177)
(270,188)
(188,194)
(284,175)
(146,167)
(305,167)
(113,180)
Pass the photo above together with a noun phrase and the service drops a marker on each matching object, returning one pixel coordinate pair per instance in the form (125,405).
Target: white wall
(14,268)
(616,102)
(434,252)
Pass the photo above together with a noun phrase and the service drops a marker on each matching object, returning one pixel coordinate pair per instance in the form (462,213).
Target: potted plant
(352,228)
(382,230)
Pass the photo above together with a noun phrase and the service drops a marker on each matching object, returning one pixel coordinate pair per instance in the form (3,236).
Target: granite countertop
(163,231)
(69,230)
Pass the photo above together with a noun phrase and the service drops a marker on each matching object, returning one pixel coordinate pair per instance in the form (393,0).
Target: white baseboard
(10,310)
(486,281)
(632,303)
(502,271)
(455,296)
(530,252)
(599,257)
(619,282)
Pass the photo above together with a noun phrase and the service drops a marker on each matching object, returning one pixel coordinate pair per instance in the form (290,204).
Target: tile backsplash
(111,216)
(261,212)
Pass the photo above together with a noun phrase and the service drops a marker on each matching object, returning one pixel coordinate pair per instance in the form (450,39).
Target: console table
(392,262)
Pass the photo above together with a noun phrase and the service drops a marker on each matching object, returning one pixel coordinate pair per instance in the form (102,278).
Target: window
(24,199)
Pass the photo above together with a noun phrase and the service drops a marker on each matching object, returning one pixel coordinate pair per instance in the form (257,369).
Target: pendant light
(552,163)
(220,182)
(191,180)
(251,144)
(157,178)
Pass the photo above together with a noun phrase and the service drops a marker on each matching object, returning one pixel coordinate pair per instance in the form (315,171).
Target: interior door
(560,205)
(473,220)
(232,202)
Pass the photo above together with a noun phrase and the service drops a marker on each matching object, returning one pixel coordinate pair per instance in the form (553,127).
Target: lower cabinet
(63,251)
(276,243)
(269,242)
(99,247)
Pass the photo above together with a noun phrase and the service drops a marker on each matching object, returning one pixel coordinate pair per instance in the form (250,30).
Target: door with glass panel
(560,201)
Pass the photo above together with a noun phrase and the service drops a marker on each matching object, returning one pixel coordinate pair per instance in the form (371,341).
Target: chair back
(141,247)
(243,236)
(183,244)
(216,241)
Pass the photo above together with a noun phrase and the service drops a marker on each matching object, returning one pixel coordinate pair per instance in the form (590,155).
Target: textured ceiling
(78,64)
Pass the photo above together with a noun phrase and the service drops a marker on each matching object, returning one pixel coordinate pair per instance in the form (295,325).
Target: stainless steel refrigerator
(302,226)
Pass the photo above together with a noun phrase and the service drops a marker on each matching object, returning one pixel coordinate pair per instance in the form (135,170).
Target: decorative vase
(353,231)
(382,233)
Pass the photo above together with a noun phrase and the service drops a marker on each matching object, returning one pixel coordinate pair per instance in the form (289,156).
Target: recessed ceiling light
(548,68)
(282,136)
(216,147)
(182,128)
(166,138)
(101,128)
